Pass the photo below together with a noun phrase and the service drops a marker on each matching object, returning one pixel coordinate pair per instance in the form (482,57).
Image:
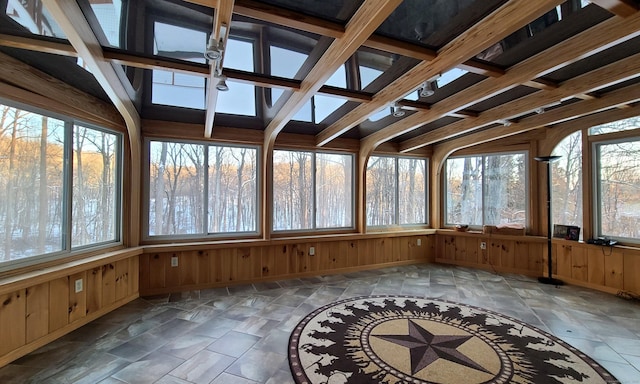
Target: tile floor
(239,334)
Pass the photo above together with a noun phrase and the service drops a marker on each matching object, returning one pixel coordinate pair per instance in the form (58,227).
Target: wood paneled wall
(609,269)
(42,306)
(205,266)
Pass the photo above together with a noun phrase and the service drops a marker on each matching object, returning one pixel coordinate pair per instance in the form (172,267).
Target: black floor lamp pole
(549,278)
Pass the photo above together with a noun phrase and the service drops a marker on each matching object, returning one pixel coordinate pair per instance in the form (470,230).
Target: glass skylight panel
(367,75)
(177,89)
(285,62)
(338,79)
(450,76)
(109,14)
(238,54)
(238,100)
(34,17)
(326,105)
(381,114)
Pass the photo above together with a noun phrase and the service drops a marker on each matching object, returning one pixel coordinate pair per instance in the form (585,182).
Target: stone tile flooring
(239,334)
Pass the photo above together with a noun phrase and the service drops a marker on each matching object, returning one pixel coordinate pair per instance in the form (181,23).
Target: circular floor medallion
(404,339)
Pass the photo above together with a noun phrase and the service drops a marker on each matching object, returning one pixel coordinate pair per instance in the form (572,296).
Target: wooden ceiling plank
(613,73)
(589,42)
(489,31)
(284,17)
(399,47)
(559,116)
(15,72)
(482,68)
(365,21)
(622,8)
(542,84)
(36,44)
(222,16)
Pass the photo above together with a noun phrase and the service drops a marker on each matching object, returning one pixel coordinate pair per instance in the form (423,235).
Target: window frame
(484,155)
(396,223)
(204,234)
(601,139)
(314,226)
(66,244)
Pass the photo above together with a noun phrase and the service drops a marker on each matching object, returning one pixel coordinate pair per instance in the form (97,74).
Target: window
(198,189)
(240,98)
(617,183)
(396,191)
(486,189)
(61,186)
(312,190)
(566,176)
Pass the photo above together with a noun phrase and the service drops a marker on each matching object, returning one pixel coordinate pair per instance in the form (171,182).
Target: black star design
(425,348)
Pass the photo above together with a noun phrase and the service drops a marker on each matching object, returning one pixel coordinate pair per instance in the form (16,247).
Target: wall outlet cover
(78,285)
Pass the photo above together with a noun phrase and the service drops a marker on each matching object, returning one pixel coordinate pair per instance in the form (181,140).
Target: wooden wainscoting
(611,269)
(608,269)
(41,306)
(501,253)
(203,266)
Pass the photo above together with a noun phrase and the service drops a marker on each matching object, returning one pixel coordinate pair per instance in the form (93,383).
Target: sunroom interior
(158,146)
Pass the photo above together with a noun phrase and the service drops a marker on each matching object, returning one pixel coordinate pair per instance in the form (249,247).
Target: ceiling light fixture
(504,122)
(540,110)
(222,84)
(215,48)
(427,89)
(396,110)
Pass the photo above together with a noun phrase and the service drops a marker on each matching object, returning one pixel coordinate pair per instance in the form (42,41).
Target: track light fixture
(222,84)
(427,89)
(540,110)
(396,110)
(504,122)
(215,47)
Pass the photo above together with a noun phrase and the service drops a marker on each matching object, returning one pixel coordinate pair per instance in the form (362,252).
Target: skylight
(450,76)
(34,18)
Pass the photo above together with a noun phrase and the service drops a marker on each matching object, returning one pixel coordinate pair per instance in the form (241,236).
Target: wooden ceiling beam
(365,21)
(40,44)
(602,77)
(220,32)
(489,31)
(593,40)
(564,115)
(622,8)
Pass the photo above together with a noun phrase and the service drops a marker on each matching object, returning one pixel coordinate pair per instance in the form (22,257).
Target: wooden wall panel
(631,272)
(563,253)
(507,254)
(521,255)
(203,267)
(596,270)
(145,271)
(249,260)
(353,253)
(224,264)
(401,249)
(58,303)
(156,271)
(172,274)
(579,264)
(37,316)
(614,267)
(77,299)
(108,284)
(189,262)
(94,289)
(12,317)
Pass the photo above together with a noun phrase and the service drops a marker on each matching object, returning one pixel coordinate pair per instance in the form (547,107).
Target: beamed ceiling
(523,64)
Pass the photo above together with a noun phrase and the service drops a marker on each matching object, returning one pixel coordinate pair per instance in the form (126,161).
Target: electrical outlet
(419,242)
(78,285)
(312,251)
(174,261)
(483,245)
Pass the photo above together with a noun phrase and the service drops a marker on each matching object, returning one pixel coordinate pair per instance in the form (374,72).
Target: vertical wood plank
(595,261)
(522,254)
(37,321)
(134,276)
(94,289)
(563,256)
(203,273)
(352,253)
(77,300)
(145,273)
(58,303)
(122,279)
(157,268)
(188,261)
(579,264)
(172,274)
(12,317)
(108,284)
(631,272)
(613,266)
(507,254)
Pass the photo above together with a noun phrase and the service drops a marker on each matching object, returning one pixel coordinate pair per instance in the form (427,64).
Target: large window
(566,177)
(312,190)
(486,189)
(396,191)
(60,184)
(198,189)
(617,179)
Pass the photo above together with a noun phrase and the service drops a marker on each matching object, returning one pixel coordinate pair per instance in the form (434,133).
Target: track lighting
(540,110)
(222,84)
(214,50)
(396,110)
(427,89)
(504,122)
